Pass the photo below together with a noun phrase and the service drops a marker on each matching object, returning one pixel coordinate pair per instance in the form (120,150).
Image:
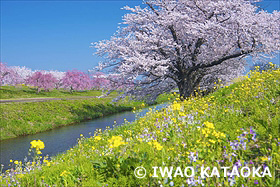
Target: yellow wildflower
(222,135)
(209,125)
(264,159)
(97,138)
(176,106)
(37,144)
(64,173)
(156,145)
(116,141)
(201,111)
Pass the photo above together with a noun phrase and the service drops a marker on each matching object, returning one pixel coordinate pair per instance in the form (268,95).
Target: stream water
(61,139)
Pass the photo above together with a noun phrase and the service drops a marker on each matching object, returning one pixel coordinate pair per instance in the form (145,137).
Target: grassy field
(11,92)
(29,118)
(236,126)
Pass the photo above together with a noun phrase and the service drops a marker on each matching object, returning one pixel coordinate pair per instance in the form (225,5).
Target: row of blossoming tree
(47,80)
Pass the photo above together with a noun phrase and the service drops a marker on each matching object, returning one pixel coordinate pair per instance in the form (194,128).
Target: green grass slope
(19,119)
(11,92)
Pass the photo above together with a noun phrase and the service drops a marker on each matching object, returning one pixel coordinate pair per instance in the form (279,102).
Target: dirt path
(43,99)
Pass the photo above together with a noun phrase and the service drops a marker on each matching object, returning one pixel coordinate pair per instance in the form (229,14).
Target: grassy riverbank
(235,126)
(19,92)
(29,118)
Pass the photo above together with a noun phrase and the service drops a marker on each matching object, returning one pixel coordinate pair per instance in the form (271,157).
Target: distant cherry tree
(59,77)
(42,80)
(8,76)
(100,81)
(169,44)
(23,72)
(76,80)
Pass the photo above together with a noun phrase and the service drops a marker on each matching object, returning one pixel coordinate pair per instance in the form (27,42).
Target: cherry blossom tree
(182,44)
(76,80)
(118,82)
(59,77)
(42,80)
(23,72)
(100,81)
(8,76)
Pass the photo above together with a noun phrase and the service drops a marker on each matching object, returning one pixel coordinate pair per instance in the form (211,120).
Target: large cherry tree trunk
(188,82)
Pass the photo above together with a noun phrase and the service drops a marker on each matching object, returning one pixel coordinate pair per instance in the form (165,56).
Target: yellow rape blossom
(209,125)
(97,138)
(176,106)
(37,144)
(201,111)
(116,141)
(48,163)
(64,173)
(222,135)
(156,145)
(264,159)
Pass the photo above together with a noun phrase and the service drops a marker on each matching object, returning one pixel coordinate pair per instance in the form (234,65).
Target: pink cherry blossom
(76,80)
(167,44)
(8,76)
(42,80)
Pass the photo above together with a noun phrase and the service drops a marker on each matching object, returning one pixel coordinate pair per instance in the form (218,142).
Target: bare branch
(152,8)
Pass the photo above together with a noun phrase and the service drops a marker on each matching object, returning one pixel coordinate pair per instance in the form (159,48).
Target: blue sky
(56,35)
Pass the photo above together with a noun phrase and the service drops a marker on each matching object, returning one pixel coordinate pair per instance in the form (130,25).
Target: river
(61,139)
